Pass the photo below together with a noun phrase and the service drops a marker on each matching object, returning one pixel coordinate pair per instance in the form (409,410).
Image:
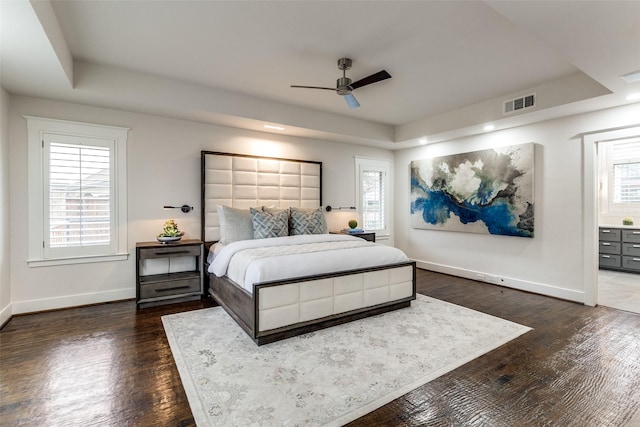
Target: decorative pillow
(307,221)
(266,225)
(235,224)
(274,211)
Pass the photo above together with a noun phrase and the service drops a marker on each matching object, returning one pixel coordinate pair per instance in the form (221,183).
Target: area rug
(324,378)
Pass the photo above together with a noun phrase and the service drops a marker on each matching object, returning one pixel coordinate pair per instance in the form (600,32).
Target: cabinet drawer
(631,236)
(610,261)
(170,251)
(611,248)
(610,234)
(631,263)
(370,237)
(631,249)
(170,288)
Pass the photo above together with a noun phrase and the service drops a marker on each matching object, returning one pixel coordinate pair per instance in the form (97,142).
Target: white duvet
(248,262)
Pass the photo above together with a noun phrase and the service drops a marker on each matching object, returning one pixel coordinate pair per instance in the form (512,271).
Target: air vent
(517,104)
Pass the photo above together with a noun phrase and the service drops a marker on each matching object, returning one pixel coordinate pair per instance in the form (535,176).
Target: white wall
(5,284)
(552,262)
(163,168)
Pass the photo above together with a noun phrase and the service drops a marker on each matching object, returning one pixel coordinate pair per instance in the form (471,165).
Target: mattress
(249,262)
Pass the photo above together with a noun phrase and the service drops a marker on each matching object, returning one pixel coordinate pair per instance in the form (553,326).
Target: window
(624,180)
(77,192)
(372,188)
(626,183)
(373,199)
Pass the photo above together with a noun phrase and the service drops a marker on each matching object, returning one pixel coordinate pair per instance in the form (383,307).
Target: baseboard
(5,315)
(66,301)
(523,285)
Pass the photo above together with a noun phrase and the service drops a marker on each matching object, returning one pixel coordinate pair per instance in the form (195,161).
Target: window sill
(77,260)
(629,210)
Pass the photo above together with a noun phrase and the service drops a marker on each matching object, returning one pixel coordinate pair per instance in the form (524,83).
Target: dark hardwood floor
(110,365)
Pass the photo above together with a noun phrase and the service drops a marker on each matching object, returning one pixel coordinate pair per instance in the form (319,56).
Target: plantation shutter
(626,172)
(78,203)
(373,199)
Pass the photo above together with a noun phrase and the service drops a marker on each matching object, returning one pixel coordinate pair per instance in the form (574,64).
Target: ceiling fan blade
(351,101)
(373,78)
(315,87)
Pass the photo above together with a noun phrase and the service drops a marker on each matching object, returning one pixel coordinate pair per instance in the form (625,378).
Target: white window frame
(39,254)
(608,206)
(363,164)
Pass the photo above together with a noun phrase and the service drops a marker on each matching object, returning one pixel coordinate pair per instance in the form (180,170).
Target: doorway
(604,287)
(618,200)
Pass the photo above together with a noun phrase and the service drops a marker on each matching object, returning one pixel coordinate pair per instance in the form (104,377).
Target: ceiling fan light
(352,102)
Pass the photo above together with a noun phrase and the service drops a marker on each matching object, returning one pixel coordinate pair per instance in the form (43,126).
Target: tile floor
(619,290)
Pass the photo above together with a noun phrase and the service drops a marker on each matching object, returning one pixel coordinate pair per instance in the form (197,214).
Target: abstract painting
(487,191)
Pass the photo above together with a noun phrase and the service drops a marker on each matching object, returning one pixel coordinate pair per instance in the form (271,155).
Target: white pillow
(235,224)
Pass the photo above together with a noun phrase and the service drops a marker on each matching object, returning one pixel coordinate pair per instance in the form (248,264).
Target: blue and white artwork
(487,191)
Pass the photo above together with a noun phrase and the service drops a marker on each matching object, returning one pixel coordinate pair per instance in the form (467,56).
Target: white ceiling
(232,62)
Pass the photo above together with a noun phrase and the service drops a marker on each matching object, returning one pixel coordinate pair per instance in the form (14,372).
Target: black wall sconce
(341,208)
(183,208)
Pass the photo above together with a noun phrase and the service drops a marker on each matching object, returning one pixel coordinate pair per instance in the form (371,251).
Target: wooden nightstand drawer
(170,288)
(366,235)
(170,251)
(371,237)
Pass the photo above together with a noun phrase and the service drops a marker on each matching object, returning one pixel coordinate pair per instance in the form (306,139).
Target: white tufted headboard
(243,181)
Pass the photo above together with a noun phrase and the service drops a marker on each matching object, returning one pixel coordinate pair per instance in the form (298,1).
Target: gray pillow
(266,225)
(307,221)
(235,224)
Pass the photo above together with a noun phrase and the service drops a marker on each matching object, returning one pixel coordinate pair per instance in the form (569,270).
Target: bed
(296,278)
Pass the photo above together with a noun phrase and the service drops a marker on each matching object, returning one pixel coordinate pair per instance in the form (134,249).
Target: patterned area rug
(329,377)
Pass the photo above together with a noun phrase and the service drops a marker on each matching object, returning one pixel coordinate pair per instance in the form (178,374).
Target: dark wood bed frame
(242,306)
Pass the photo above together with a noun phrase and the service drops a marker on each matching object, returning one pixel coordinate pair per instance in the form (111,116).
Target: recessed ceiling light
(489,127)
(633,77)
(274,127)
(633,97)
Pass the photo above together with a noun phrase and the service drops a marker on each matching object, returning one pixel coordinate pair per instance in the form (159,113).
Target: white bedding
(248,262)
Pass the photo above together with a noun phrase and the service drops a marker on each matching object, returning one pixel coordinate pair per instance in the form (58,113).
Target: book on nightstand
(353,230)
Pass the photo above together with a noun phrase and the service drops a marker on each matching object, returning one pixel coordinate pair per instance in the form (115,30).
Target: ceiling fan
(344,86)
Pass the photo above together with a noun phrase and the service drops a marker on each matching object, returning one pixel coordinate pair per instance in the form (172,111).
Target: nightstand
(168,287)
(366,235)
